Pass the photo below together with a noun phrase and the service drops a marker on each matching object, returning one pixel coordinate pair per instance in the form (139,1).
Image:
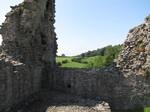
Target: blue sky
(83,25)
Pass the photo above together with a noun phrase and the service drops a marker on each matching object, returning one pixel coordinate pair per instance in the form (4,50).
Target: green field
(71,64)
(60,59)
(74,65)
(89,59)
(146,109)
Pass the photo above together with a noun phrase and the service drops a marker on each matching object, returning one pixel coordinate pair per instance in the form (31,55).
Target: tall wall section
(124,85)
(29,48)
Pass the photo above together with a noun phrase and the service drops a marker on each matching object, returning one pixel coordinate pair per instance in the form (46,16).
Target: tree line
(101,51)
(105,56)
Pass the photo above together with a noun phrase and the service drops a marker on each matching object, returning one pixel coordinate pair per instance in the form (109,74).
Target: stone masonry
(29,48)
(27,62)
(124,85)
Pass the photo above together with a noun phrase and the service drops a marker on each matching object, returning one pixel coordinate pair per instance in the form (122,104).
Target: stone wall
(104,84)
(135,54)
(124,85)
(29,48)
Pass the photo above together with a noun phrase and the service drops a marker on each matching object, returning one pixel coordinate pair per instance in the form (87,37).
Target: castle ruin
(27,62)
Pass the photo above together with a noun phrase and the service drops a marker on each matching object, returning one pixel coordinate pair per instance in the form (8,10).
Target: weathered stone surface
(124,85)
(136,51)
(52,101)
(103,84)
(29,48)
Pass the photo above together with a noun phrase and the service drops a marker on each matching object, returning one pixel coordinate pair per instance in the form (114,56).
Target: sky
(83,25)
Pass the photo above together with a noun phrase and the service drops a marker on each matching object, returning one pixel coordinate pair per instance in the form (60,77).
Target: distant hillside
(102,51)
(96,58)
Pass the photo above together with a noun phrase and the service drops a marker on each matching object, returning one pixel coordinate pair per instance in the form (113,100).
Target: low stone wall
(106,84)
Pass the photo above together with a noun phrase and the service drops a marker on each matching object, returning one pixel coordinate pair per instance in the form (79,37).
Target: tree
(58,64)
(109,53)
(89,65)
(103,51)
(82,55)
(99,62)
(88,54)
(63,55)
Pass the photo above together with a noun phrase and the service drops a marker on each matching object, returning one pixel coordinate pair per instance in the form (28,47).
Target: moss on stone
(144,72)
(140,47)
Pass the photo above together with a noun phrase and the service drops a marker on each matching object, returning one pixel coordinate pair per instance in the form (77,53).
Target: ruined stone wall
(124,85)
(104,84)
(29,48)
(28,59)
(96,83)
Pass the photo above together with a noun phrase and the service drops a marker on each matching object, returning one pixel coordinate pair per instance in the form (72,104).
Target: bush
(84,62)
(76,60)
(64,61)
(58,64)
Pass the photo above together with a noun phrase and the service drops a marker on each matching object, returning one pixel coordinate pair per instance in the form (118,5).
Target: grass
(89,59)
(74,65)
(70,64)
(146,109)
(60,59)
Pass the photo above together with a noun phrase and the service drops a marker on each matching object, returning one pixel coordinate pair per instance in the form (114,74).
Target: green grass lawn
(60,59)
(146,109)
(73,65)
(70,64)
(89,59)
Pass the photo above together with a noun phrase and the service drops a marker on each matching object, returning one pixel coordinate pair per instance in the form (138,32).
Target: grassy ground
(146,109)
(74,64)
(60,59)
(89,59)
(70,64)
